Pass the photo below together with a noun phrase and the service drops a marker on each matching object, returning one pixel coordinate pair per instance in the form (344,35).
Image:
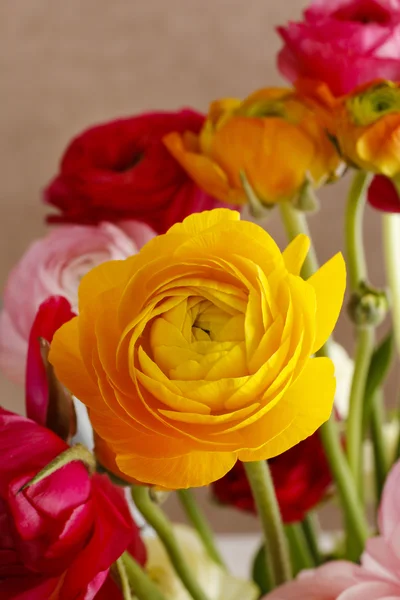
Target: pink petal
(13,350)
(325,583)
(375,590)
(389,512)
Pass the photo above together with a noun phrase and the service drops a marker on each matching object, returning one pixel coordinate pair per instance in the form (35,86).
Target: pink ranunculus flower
(378,577)
(344,43)
(54,266)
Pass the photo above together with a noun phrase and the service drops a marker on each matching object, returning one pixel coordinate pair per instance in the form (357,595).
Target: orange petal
(206,173)
(379,146)
(103,277)
(68,364)
(196,469)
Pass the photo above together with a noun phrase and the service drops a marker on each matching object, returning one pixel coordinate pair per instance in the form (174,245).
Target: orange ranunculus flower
(197,351)
(274,137)
(368,127)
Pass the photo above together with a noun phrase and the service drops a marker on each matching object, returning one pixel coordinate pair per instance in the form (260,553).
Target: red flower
(344,43)
(301,477)
(122,170)
(52,313)
(58,537)
(383,195)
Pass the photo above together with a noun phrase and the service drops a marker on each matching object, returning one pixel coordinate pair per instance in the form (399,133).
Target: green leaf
(259,572)
(72,454)
(379,367)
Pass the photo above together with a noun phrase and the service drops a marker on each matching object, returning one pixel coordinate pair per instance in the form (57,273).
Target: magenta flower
(60,536)
(344,43)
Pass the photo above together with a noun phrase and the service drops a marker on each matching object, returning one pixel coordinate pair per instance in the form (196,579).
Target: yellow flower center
(197,340)
(376,102)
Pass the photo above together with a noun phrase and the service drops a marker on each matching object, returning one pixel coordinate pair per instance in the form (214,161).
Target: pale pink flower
(378,577)
(54,266)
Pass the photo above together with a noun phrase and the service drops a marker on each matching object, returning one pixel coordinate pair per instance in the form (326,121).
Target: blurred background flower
(121,170)
(253,138)
(344,43)
(216,582)
(54,265)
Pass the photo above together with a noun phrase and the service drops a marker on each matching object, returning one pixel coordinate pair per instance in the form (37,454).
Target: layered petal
(198,351)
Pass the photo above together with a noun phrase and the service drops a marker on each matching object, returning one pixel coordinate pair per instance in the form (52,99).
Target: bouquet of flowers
(166,342)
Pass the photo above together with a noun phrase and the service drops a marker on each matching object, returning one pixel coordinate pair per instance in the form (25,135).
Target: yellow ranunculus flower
(368,127)
(274,137)
(197,351)
(217,583)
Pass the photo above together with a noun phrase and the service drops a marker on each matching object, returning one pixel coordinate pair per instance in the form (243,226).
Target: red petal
(52,313)
(383,195)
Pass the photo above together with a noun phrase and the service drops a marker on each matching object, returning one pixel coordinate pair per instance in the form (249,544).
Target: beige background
(65,65)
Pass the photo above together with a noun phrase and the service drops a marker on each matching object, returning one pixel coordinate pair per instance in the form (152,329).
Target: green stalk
(357,273)
(199,522)
(310,529)
(122,579)
(391,245)
(277,550)
(161,525)
(354,426)
(299,550)
(378,444)
(140,583)
(356,266)
(295,223)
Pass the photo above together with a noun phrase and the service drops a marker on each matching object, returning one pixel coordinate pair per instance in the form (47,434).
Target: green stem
(378,443)
(356,265)
(357,273)
(391,245)
(310,529)
(299,550)
(123,579)
(199,522)
(295,224)
(159,522)
(350,500)
(277,551)
(354,427)
(142,586)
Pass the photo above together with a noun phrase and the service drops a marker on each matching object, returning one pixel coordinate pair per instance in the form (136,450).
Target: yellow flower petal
(329,283)
(295,254)
(196,469)
(197,223)
(103,277)
(305,406)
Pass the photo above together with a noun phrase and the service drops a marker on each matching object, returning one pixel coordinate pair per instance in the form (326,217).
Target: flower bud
(368,128)
(368,306)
